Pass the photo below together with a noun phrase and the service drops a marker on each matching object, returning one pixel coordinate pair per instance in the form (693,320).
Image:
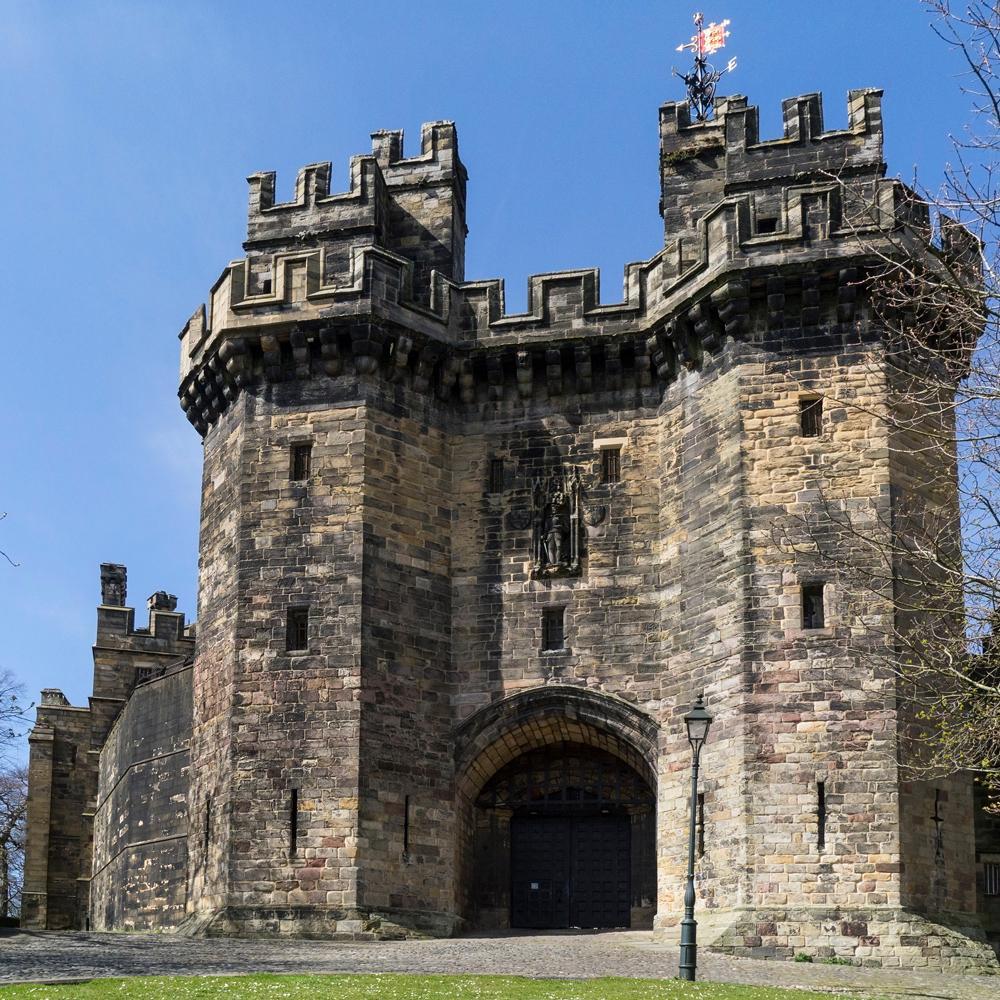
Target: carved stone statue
(113,590)
(556,525)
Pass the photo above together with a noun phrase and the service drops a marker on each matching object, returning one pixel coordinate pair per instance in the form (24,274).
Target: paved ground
(52,955)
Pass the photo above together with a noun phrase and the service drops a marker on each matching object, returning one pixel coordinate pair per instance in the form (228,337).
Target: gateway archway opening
(565,837)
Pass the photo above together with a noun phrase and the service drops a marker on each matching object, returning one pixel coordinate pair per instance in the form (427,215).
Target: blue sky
(129,128)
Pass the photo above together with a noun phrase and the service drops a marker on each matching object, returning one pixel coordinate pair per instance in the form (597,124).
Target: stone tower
(463,571)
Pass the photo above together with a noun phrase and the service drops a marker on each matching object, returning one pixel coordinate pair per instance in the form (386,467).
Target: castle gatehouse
(463,571)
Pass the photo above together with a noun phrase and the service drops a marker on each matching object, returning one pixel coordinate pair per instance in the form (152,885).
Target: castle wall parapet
(456,337)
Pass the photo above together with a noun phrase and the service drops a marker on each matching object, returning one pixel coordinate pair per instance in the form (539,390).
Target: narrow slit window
(811,416)
(821,814)
(991,878)
(293,822)
(611,465)
(208,822)
(301,461)
(553,629)
(297,629)
(701,824)
(496,475)
(938,825)
(406,825)
(813,615)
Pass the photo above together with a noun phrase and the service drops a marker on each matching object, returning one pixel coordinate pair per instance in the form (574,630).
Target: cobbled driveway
(52,956)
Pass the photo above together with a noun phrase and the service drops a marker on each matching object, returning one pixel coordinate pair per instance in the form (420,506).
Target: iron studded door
(540,871)
(570,872)
(600,879)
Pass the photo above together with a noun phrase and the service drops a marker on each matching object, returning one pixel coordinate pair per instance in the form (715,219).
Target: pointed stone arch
(498,733)
(552,716)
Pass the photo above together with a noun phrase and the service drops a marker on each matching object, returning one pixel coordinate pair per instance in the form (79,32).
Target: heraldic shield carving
(555,525)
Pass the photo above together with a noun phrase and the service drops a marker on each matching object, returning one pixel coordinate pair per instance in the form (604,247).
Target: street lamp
(697,722)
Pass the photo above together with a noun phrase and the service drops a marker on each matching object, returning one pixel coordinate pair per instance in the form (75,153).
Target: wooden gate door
(570,872)
(539,869)
(600,884)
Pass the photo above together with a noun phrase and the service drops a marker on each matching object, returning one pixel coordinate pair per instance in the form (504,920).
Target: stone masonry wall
(936,812)
(214,677)
(820,707)
(61,784)
(987,853)
(654,616)
(406,845)
(63,768)
(282,722)
(140,869)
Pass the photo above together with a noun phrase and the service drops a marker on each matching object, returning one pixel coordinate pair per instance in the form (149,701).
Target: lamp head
(698,722)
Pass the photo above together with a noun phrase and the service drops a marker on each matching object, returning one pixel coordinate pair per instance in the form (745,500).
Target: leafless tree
(14,720)
(3,514)
(936,373)
(13,713)
(13,822)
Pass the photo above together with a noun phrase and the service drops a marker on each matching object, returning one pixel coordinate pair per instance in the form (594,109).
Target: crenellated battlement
(736,124)
(768,236)
(166,631)
(704,162)
(410,206)
(314,211)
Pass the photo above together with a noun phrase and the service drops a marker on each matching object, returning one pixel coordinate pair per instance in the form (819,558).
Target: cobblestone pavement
(27,955)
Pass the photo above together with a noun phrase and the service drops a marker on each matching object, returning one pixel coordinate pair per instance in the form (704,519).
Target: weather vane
(702,80)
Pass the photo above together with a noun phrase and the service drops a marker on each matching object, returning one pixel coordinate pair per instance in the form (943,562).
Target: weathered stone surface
(333,784)
(141,822)
(75,765)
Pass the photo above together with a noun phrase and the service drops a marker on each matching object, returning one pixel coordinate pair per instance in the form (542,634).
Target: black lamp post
(697,722)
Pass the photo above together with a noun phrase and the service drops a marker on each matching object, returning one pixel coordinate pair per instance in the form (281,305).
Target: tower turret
(703,163)
(411,206)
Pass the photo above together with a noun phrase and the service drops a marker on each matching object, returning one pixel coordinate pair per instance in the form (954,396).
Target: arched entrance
(559,811)
(572,828)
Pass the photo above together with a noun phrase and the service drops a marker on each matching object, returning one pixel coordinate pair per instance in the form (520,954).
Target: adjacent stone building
(462,572)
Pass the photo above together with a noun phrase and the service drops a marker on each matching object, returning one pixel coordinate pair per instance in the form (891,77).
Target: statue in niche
(555,520)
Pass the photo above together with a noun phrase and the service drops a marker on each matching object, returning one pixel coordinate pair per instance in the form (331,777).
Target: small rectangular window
(767,224)
(553,629)
(297,631)
(293,822)
(811,416)
(991,878)
(821,814)
(496,475)
(812,606)
(301,463)
(611,465)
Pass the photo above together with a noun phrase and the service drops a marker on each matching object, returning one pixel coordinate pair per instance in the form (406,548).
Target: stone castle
(462,572)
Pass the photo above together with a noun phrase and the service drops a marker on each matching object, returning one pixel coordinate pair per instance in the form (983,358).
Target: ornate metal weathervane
(702,80)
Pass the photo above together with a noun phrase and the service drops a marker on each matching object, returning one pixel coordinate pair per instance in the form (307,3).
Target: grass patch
(396,987)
